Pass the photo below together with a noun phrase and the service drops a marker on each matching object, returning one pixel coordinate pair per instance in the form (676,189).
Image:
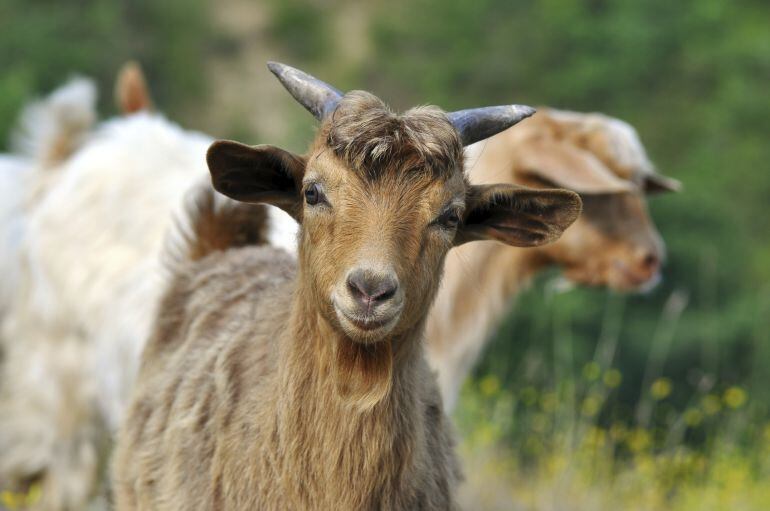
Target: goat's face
(614,243)
(381,198)
(374,245)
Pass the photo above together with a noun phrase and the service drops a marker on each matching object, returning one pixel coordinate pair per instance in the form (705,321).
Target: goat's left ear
(260,174)
(518,216)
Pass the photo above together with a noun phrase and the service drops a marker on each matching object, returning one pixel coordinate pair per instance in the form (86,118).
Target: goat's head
(614,243)
(381,198)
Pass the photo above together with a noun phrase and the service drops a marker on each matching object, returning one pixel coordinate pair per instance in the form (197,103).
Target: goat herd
(282,339)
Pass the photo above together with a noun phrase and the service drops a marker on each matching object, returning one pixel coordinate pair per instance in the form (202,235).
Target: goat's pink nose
(369,288)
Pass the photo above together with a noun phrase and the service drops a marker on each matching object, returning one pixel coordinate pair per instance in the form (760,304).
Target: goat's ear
(562,164)
(259,174)
(131,92)
(655,183)
(518,216)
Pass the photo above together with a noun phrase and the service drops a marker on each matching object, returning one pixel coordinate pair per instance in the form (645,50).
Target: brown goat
(270,387)
(614,242)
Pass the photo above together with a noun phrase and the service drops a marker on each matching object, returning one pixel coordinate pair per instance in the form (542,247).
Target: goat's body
(236,409)
(266,387)
(93,266)
(89,280)
(471,302)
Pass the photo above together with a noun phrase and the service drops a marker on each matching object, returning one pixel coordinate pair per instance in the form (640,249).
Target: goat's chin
(365,330)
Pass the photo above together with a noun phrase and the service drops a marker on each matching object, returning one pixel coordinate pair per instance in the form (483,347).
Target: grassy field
(572,444)
(549,449)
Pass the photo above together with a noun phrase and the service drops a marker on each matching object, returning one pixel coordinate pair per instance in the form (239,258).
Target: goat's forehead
(325,166)
(369,138)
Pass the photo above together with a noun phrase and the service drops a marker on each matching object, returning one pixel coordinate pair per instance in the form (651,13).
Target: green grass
(559,447)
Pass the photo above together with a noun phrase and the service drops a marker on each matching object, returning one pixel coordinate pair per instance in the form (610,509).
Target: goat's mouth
(367,324)
(629,280)
(616,276)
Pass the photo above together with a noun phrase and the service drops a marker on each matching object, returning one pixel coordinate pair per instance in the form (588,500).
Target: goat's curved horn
(477,124)
(318,97)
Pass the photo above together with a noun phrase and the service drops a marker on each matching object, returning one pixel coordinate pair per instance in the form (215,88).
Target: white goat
(89,280)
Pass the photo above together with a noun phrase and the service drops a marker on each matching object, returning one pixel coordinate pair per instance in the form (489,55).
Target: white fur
(91,279)
(57,122)
(13,172)
(47,129)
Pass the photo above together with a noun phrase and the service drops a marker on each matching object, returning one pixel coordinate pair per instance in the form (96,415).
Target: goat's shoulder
(237,292)
(216,336)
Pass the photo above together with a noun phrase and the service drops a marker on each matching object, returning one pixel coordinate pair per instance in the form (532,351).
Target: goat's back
(212,350)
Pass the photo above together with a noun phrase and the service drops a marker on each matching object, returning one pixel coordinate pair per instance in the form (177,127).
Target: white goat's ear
(518,216)
(569,167)
(259,174)
(131,92)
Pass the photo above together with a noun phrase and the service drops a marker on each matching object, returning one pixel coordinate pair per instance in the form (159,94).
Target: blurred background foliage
(691,76)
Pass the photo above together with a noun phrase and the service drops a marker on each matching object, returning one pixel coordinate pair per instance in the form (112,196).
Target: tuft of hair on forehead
(367,136)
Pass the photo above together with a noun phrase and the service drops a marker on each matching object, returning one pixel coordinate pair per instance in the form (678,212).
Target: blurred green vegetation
(43,42)
(691,76)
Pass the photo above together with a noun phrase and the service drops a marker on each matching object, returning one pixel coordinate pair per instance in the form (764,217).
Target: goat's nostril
(369,287)
(355,288)
(650,261)
(386,292)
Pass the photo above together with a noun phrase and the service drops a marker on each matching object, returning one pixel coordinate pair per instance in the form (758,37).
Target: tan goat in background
(614,242)
(266,388)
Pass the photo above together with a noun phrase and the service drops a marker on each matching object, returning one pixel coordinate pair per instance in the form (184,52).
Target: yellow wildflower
(693,417)
(734,397)
(638,440)
(661,388)
(489,385)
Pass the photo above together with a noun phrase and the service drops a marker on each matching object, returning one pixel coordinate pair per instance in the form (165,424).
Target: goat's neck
(481,280)
(327,420)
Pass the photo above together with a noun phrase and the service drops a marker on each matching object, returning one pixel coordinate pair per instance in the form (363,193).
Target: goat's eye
(313,194)
(450,219)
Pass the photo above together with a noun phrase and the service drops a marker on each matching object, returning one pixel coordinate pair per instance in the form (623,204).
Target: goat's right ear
(260,174)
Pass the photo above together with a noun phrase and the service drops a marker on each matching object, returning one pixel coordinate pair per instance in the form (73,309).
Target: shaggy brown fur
(257,389)
(219,224)
(367,137)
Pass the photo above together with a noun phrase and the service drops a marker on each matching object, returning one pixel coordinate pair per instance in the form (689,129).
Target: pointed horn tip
(524,111)
(275,67)
(530,110)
